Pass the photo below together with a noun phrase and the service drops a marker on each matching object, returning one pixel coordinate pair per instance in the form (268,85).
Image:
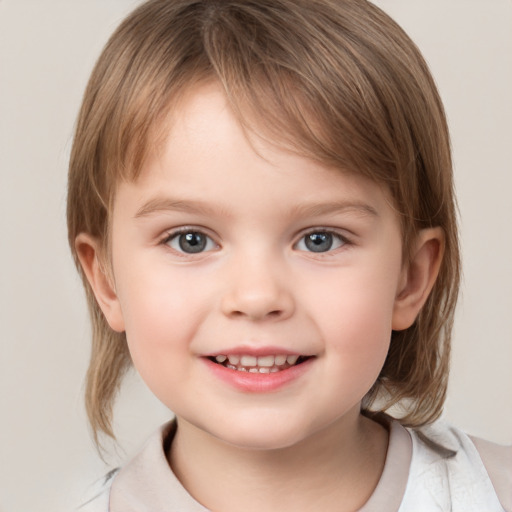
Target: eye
(320,241)
(190,242)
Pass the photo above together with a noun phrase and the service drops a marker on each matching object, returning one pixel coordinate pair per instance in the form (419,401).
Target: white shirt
(436,468)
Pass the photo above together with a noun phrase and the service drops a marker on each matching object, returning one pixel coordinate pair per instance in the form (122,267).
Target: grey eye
(191,242)
(320,241)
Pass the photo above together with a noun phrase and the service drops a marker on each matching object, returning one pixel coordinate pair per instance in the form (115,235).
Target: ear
(102,284)
(418,277)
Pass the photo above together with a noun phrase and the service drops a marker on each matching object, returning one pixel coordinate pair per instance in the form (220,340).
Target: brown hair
(335,80)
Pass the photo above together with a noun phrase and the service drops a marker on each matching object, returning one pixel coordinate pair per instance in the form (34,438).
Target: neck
(336,468)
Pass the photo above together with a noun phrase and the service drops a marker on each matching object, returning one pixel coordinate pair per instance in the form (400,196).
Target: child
(261,207)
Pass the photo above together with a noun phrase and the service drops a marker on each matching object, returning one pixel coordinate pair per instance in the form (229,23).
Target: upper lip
(255,351)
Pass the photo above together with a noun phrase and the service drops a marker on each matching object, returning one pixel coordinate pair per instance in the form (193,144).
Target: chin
(262,443)
(262,436)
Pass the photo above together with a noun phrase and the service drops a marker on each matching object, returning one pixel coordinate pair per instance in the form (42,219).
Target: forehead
(189,129)
(206,155)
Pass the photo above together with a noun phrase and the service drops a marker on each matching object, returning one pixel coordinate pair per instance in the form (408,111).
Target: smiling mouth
(261,364)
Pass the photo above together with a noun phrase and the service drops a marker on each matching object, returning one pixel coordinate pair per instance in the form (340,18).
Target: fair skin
(276,256)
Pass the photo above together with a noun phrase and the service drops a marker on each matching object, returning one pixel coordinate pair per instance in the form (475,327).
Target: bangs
(333,99)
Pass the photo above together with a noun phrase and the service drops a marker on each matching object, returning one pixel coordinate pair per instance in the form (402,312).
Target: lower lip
(258,382)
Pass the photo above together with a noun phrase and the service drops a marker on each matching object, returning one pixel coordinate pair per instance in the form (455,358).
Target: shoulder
(497,460)
(99,495)
(447,462)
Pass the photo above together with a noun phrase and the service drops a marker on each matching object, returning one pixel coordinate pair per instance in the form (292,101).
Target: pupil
(192,242)
(319,242)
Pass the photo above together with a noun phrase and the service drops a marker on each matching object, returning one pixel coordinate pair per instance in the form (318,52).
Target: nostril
(276,313)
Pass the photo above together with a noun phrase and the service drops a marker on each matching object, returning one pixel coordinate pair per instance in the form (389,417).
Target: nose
(257,289)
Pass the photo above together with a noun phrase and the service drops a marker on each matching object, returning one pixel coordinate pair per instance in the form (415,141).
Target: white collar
(147,483)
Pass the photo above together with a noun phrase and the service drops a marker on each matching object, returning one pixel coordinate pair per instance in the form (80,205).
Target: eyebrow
(167,204)
(315,210)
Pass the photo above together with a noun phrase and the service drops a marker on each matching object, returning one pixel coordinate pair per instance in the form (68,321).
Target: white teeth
(233,359)
(280,360)
(248,361)
(253,364)
(266,361)
(291,360)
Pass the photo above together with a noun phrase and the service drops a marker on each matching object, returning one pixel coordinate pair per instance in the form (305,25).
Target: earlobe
(91,260)
(418,277)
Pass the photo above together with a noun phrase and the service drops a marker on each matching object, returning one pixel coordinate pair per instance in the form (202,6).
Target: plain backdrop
(47,50)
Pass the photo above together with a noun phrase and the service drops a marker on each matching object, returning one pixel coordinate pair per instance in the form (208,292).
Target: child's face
(218,251)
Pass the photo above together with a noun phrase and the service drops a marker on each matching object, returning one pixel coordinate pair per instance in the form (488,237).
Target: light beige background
(47,49)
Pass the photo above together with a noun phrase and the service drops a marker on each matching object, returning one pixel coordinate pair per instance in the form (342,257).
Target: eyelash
(185,231)
(343,241)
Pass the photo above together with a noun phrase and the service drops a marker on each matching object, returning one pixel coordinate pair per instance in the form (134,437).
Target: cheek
(355,319)
(159,330)
(159,319)
(358,303)
(360,339)
(359,344)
